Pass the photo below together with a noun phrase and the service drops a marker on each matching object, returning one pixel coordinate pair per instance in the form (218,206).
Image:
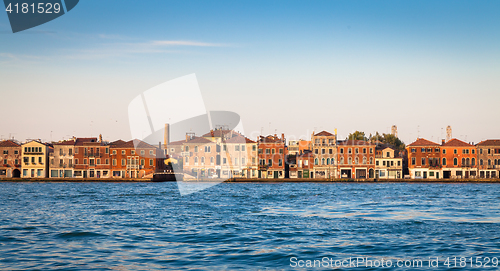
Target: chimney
(166,136)
(159,145)
(283,137)
(442,141)
(187,137)
(100,137)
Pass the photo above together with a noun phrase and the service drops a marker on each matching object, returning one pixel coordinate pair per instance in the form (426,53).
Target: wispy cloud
(185,43)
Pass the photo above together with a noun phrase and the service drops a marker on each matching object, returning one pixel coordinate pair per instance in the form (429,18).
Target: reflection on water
(240,225)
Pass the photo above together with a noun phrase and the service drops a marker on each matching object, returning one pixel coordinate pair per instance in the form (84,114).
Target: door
(85,174)
(276,174)
(425,174)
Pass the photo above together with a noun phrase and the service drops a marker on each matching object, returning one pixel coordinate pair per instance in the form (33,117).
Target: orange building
(356,159)
(488,157)
(272,153)
(424,159)
(91,158)
(134,159)
(458,159)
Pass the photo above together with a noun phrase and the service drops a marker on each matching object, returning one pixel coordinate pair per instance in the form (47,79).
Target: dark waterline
(133,226)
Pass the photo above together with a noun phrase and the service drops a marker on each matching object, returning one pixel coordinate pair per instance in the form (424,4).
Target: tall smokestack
(166,136)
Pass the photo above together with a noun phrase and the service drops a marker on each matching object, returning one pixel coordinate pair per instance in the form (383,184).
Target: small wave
(78,234)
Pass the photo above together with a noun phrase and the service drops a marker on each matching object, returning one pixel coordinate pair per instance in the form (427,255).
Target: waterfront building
(424,159)
(388,162)
(35,156)
(488,155)
(201,158)
(324,147)
(62,159)
(458,159)
(92,158)
(356,159)
(272,153)
(305,165)
(10,159)
(239,157)
(296,147)
(134,159)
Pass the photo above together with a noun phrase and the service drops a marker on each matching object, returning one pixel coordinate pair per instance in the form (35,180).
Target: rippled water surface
(134,226)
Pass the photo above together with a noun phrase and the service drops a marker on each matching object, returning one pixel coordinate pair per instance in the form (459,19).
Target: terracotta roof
(9,143)
(423,142)
(489,142)
(122,144)
(354,142)
(199,140)
(141,144)
(239,139)
(180,142)
(81,140)
(306,154)
(66,143)
(270,139)
(324,133)
(456,143)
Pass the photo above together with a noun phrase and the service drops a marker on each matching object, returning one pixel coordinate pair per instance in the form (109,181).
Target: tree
(389,139)
(358,135)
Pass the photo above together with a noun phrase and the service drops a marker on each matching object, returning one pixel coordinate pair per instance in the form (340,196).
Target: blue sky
(285,66)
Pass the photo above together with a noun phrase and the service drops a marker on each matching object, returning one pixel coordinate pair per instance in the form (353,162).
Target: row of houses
(223,153)
(79,158)
(453,159)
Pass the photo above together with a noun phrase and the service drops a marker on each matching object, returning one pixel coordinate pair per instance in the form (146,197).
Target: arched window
(349,160)
(332,161)
(342,160)
(196,159)
(489,162)
(322,161)
(444,161)
(364,160)
(455,161)
(203,160)
(371,160)
(473,161)
(467,162)
(481,162)
(327,161)
(357,160)
(211,160)
(463,161)
(316,161)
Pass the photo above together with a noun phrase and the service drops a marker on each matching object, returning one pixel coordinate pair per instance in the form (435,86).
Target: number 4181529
(40,8)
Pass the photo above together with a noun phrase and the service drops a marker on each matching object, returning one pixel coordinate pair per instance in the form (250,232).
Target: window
(236,161)
(480,151)
(16,152)
(106,150)
(242,147)
(16,162)
(142,162)
(444,151)
(376,163)
(224,148)
(349,160)
(413,150)
(224,161)
(281,151)
(371,150)
(463,161)
(237,148)
(455,161)
(388,154)
(123,152)
(342,160)
(142,152)
(273,151)
(270,162)
(399,163)
(151,162)
(473,161)
(323,151)
(342,151)
(316,151)
(316,161)
(211,160)
(383,163)
(322,161)
(422,150)
(357,160)
(5,152)
(444,161)
(208,149)
(123,162)
(473,151)
(151,152)
(306,162)
(357,150)
(280,162)
(455,151)
(114,162)
(40,160)
(330,151)
(481,162)
(364,160)
(98,161)
(267,151)
(195,148)
(196,160)
(254,147)
(436,150)
(327,161)
(203,160)
(243,161)
(429,150)
(5,161)
(349,151)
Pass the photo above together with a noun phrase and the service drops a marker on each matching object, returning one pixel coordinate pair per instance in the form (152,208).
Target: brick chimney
(442,142)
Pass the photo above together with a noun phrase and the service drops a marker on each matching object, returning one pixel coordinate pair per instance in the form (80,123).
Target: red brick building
(92,158)
(356,159)
(424,159)
(134,159)
(488,155)
(271,154)
(458,159)
(10,159)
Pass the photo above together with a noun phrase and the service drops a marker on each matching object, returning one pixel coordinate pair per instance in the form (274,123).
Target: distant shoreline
(246,180)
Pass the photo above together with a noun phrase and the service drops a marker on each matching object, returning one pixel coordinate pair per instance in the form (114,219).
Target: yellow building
(35,156)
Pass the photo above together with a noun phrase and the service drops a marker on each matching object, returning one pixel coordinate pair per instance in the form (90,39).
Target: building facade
(272,154)
(35,159)
(424,159)
(458,160)
(488,155)
(388,163)
(356,159)
(10,159)
(133,159)
(324,147)
(62,159)
(92,159)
